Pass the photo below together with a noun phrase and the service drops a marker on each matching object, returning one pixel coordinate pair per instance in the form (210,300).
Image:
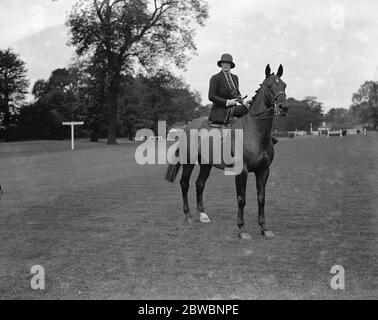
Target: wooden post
(73,124)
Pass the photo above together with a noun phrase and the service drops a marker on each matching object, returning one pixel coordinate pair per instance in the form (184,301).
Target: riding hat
(226,58)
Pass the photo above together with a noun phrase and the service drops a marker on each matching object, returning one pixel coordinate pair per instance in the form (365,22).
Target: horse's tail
(173,170)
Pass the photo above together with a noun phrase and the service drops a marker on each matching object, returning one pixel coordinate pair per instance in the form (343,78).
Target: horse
(257,152)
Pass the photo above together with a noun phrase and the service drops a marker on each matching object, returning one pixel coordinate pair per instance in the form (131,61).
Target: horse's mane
(258,90)
(256,93)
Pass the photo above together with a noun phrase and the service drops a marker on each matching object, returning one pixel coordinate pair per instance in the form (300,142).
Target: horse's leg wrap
(200,186)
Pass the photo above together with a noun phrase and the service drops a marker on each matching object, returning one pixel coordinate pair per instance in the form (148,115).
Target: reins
(271,111)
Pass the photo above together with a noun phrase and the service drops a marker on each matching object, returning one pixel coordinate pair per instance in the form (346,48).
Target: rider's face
(226,66)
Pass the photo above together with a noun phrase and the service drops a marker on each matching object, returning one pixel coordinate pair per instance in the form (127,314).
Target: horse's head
(275,95)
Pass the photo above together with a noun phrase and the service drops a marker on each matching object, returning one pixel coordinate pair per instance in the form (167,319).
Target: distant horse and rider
(255,119)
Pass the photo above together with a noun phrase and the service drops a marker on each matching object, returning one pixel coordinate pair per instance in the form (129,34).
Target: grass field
(104,227)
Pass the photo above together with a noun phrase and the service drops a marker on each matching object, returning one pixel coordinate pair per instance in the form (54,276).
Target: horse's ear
(280,71)
(267,71)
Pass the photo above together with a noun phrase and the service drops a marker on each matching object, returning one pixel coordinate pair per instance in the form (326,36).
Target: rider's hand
(231,102)
(241,101)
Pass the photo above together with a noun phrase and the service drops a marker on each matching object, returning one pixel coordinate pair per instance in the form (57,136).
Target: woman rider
(225,95)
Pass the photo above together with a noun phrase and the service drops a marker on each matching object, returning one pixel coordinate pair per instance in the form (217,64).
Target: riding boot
(274,140)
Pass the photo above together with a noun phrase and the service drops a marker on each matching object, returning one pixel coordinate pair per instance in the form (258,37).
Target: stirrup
(216,125)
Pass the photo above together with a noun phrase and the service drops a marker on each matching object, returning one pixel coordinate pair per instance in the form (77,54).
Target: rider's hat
(226,58)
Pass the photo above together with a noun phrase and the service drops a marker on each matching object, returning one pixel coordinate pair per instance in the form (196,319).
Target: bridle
(277,111)
(272,111)
(269,113)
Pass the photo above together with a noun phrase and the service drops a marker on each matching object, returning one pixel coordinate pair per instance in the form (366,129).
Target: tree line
(122,79)
(309,112)
(68,95)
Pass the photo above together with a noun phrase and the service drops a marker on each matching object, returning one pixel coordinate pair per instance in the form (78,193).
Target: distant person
(225,95)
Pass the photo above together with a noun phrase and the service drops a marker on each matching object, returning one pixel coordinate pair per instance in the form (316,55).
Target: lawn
(105,227)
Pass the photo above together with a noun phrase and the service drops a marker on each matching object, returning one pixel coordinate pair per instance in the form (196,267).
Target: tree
(300,116)
(56,101)
(365,104)
(91,96)
(13,86)
(315,114)
(129,31)
(39,88)
(339,118)
(161,96)
(60,93)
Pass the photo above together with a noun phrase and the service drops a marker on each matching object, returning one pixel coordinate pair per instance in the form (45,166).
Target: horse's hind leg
(184,183)
(200,186)
(261,179)
(241,186)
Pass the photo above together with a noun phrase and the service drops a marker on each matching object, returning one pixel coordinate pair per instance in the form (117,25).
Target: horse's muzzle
(280,109)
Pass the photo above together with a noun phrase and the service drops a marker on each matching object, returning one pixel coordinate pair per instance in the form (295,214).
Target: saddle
(229,118)
(226,124)
(219,125)
(222,126)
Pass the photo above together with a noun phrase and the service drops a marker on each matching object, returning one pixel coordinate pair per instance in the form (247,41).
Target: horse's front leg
(184,182)
(261,179)
(200,186)
(241,185)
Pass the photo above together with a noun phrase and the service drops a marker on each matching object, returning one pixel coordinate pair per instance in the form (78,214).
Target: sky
(328,48)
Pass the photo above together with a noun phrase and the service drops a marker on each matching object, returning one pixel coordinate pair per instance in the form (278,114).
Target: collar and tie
(231,84)
(234,93)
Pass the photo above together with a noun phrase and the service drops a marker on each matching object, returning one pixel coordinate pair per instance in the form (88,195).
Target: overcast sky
(328,48)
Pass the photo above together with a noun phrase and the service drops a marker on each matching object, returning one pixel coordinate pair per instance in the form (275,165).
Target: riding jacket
(219,93)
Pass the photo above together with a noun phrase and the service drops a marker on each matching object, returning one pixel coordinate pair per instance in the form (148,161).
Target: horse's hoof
(189,220)
(267,233)
(245,236)
(204,218)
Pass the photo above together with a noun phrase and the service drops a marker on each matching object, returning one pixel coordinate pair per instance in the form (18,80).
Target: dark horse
(257,152)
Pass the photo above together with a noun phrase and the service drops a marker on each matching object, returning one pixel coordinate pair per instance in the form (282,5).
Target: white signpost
(73,124)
